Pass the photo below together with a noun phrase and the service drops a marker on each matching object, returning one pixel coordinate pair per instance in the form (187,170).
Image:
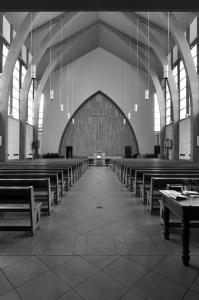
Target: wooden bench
(160,183)
(37,169)
(138,180)
(54,182)
(41,188)
(19,200)
(146,182)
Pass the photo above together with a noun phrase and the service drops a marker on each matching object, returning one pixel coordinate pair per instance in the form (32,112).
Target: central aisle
(100,243)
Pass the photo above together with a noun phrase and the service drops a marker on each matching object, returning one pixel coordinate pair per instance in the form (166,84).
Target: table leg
(185,242)
(166,212)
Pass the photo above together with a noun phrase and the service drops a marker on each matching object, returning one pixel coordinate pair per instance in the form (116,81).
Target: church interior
(99,151)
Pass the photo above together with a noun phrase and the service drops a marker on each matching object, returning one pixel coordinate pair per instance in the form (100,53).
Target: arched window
(156,114)
(179,74)
(30,106)
(168,104)
(41,113)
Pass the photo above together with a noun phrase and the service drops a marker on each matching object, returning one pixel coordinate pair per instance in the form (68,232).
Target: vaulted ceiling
(119,32)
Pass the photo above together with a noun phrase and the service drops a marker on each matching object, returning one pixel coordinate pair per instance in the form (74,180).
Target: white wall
(185,138)
(13,138)
(29,139)
(98,70)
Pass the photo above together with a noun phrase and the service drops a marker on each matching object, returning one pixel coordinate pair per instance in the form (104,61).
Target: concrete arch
(45,43)
(72,41)
(153,75)
(172,86)
(192,77)
(83,104)
(13,54)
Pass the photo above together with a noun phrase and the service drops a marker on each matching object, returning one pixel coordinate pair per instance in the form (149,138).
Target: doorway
(69,151)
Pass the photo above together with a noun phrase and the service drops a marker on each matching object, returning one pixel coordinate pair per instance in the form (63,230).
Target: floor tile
(148,261)
(176,271)
(71,296)
(101,287)
(75,271)
(126,271)
(132,295)
(191,296)
(100,261)
(5,285)
(155,287)
(10,296)
(52,261)
(24,271)
(45,287)
(6,261)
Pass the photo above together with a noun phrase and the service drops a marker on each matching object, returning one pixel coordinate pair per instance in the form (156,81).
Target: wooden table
(186,210)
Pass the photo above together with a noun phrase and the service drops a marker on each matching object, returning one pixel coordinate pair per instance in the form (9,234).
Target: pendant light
(146,94)
(136,104)
(166,66)
(124,121)
(129,115)
(72,83)
(51,90)
(68,85)
(32,66)
(135,107)
(60,86)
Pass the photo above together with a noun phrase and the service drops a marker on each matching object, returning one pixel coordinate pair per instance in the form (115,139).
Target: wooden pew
(19,200)
(146,182)
(37,169)
(138,180)
(160,183)
(54,182)
(41,188)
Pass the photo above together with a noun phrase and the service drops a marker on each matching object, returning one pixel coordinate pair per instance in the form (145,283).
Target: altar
(100,159)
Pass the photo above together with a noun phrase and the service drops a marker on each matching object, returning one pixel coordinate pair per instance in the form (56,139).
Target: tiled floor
(99,244)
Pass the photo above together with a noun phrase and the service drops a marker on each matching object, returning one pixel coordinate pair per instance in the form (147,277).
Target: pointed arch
(128,133)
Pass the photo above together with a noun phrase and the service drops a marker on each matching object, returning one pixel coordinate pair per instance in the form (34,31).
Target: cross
(97,115)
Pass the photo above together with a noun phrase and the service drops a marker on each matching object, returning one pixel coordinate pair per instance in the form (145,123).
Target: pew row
(41,188)
(19,200)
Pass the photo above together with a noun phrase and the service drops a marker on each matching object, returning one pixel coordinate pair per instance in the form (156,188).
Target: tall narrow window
(175,75)
(41,113)
(156,114)
(15,90)
(23,74)
(182,91)
(168,104)
(4,54)
(194,51)
(30,105)
(6,29)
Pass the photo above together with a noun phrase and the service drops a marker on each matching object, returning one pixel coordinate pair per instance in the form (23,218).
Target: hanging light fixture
(135,107)
(136,104)
(146,94)
(166,66)
(33,71)
(60,85)
(73,121)
(68,78)
(32,66)
(129,115)
(51,90)
(124,121)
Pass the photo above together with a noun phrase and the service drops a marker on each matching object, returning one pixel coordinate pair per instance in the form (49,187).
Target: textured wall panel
(92,133)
